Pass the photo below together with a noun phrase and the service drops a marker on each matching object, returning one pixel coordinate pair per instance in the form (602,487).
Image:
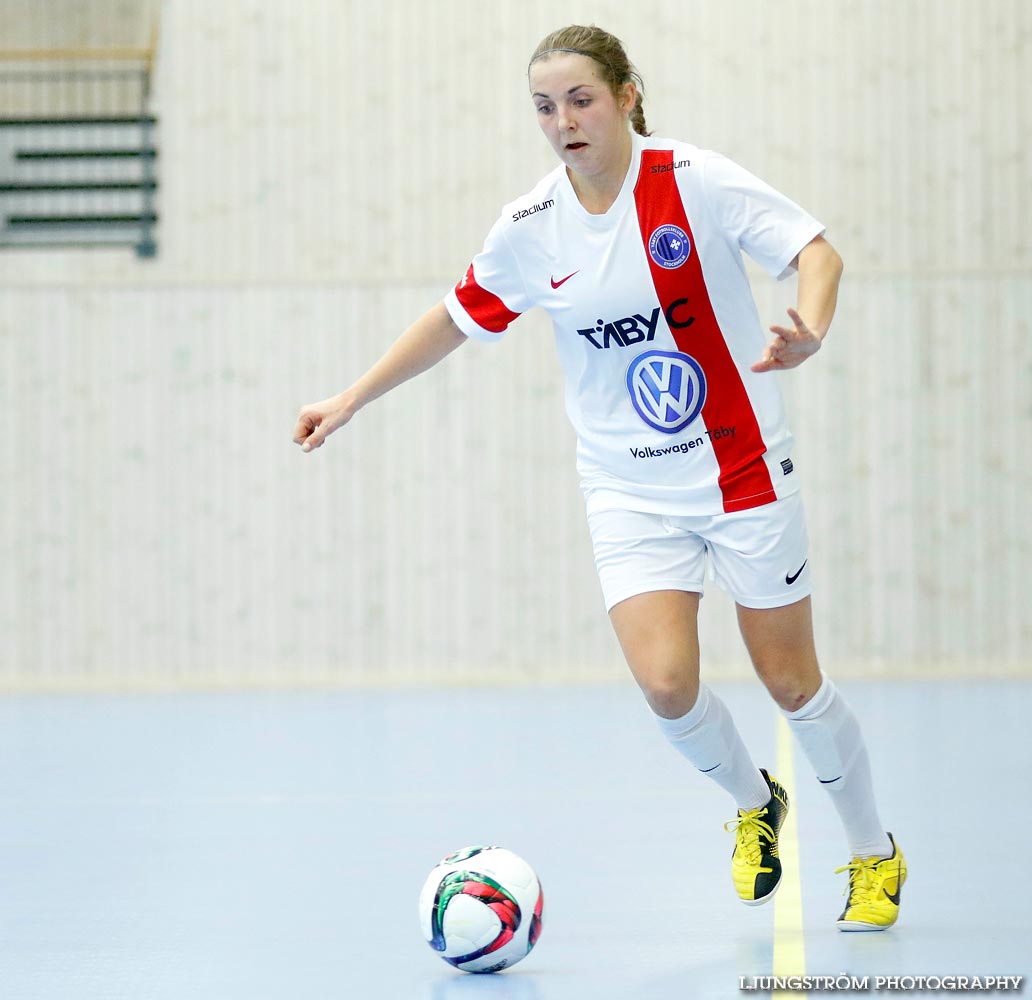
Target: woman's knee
(791,686)
(671,693)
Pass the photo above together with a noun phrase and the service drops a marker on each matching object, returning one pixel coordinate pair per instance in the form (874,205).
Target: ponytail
(638,116)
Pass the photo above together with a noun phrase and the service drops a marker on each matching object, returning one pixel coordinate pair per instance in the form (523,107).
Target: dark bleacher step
(44,187)
(23,122)
(79,221)
(55,243)
(85,154)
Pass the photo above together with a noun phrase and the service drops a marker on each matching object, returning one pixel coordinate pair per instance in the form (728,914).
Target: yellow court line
(789,949)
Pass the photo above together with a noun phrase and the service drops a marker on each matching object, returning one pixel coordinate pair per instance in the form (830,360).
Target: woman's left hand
(790,346)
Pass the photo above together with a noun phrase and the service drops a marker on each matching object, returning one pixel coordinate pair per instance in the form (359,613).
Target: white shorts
(759,556)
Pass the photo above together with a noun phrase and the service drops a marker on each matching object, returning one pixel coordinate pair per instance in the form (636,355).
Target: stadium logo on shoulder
(533,210)
(669,246)
(667,389)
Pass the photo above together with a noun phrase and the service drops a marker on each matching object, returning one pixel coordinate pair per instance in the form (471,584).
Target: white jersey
(655,325)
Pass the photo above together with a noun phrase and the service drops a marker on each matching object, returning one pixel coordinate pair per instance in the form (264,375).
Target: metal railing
(78,150)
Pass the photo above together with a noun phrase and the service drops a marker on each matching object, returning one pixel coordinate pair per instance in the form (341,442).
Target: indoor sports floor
(271,846)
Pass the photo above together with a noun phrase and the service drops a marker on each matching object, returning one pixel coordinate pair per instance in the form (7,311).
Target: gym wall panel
(327,170)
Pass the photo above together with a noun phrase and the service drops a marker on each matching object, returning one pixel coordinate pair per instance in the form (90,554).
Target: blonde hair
(607,50)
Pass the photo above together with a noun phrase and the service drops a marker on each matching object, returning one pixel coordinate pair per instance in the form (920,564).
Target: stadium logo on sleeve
(669,246)
(667,389)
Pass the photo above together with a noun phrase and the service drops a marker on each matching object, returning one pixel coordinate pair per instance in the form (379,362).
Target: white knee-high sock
(708,737)
(830,736)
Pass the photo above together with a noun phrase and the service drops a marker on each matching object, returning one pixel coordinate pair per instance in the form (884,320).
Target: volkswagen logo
(667,389)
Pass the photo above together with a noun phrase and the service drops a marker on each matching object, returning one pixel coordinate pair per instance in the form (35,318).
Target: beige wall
(327,170)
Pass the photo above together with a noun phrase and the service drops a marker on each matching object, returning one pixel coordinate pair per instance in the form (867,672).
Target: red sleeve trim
(484,307)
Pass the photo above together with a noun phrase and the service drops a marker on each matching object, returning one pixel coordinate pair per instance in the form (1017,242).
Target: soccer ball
(480,909)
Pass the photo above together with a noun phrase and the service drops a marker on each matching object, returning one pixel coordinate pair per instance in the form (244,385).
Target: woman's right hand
(421,346)
(317,421)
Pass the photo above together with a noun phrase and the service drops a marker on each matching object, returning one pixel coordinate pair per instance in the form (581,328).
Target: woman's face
(582,120)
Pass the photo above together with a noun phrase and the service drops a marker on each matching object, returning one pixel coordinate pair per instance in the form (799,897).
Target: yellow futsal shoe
(874,887)
(755,866)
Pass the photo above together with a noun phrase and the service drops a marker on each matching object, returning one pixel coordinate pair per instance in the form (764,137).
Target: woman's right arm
(430,339)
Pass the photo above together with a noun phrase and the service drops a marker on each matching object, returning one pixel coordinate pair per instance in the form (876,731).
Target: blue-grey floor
(271,846)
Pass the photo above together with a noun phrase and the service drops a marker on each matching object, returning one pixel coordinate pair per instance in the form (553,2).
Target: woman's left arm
(820,268)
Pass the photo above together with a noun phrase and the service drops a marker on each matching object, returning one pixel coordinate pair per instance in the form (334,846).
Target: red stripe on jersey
(486,309)
(744,479)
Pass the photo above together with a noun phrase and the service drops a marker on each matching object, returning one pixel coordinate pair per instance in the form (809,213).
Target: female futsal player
(633,246)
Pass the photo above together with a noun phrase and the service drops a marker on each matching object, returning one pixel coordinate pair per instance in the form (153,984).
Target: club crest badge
(669,246)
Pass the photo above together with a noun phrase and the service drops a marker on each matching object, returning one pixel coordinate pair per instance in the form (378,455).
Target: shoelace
(863,886)
(748,828)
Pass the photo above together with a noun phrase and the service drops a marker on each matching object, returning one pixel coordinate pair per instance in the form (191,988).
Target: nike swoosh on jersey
(792,579)
(556,284)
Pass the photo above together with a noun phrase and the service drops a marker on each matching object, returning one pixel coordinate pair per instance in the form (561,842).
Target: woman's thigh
(658,632)
(781,646)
